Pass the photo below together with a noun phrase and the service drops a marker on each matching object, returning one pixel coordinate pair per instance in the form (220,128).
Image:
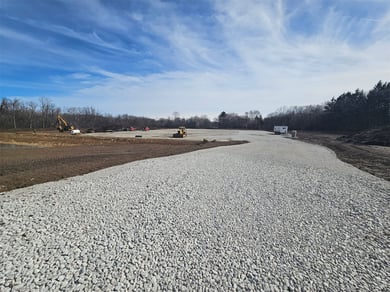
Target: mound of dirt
(380,136)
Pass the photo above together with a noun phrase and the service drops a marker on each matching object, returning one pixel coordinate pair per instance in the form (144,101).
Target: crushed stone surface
(274,215)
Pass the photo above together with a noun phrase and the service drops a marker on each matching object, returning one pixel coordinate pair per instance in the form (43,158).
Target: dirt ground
(28,158)
(370,158)
(31,158)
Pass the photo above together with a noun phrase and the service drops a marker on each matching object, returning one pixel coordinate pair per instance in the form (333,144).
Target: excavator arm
(63,125)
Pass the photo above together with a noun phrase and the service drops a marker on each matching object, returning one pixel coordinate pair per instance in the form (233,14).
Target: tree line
(16,114)
(351,111)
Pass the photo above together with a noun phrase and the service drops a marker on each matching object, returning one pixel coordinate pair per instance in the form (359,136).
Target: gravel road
(274,214)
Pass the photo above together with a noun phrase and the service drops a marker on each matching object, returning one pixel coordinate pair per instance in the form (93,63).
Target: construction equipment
(63,125)
(181,133)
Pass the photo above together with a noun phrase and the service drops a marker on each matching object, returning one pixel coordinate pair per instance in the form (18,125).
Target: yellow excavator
(181,133)
(63,125)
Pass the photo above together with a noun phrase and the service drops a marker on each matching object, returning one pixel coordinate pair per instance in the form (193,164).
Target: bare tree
(46,109)
(43,101)
(15,106)
(5,117)
(32,107)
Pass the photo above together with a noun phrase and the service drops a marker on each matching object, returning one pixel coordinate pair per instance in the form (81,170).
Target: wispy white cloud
(97,14)
(15,35)
(233,55)
(382,28)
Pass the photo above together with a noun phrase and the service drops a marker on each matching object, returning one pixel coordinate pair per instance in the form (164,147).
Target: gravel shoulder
(273,214)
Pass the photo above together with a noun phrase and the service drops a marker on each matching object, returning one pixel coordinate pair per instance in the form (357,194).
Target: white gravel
(274,214)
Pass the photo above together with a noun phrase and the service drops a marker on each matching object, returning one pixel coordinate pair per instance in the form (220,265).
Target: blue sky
(153,57)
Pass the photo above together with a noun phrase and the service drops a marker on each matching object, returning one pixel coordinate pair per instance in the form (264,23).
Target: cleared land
(273,214)
(30,158)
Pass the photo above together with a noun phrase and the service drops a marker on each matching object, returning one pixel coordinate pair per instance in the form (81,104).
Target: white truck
(279,130)
(75,132)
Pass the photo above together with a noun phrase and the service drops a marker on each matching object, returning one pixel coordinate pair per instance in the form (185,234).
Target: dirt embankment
(49,156)
(379,136)
(373,159)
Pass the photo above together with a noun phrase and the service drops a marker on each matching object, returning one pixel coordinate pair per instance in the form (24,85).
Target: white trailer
(278,130)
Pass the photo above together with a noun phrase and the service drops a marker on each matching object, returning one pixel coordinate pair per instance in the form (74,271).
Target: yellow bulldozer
(63,125)
(181,133)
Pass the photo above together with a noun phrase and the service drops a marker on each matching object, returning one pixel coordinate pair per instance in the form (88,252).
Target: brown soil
(370,158)
(49,156)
